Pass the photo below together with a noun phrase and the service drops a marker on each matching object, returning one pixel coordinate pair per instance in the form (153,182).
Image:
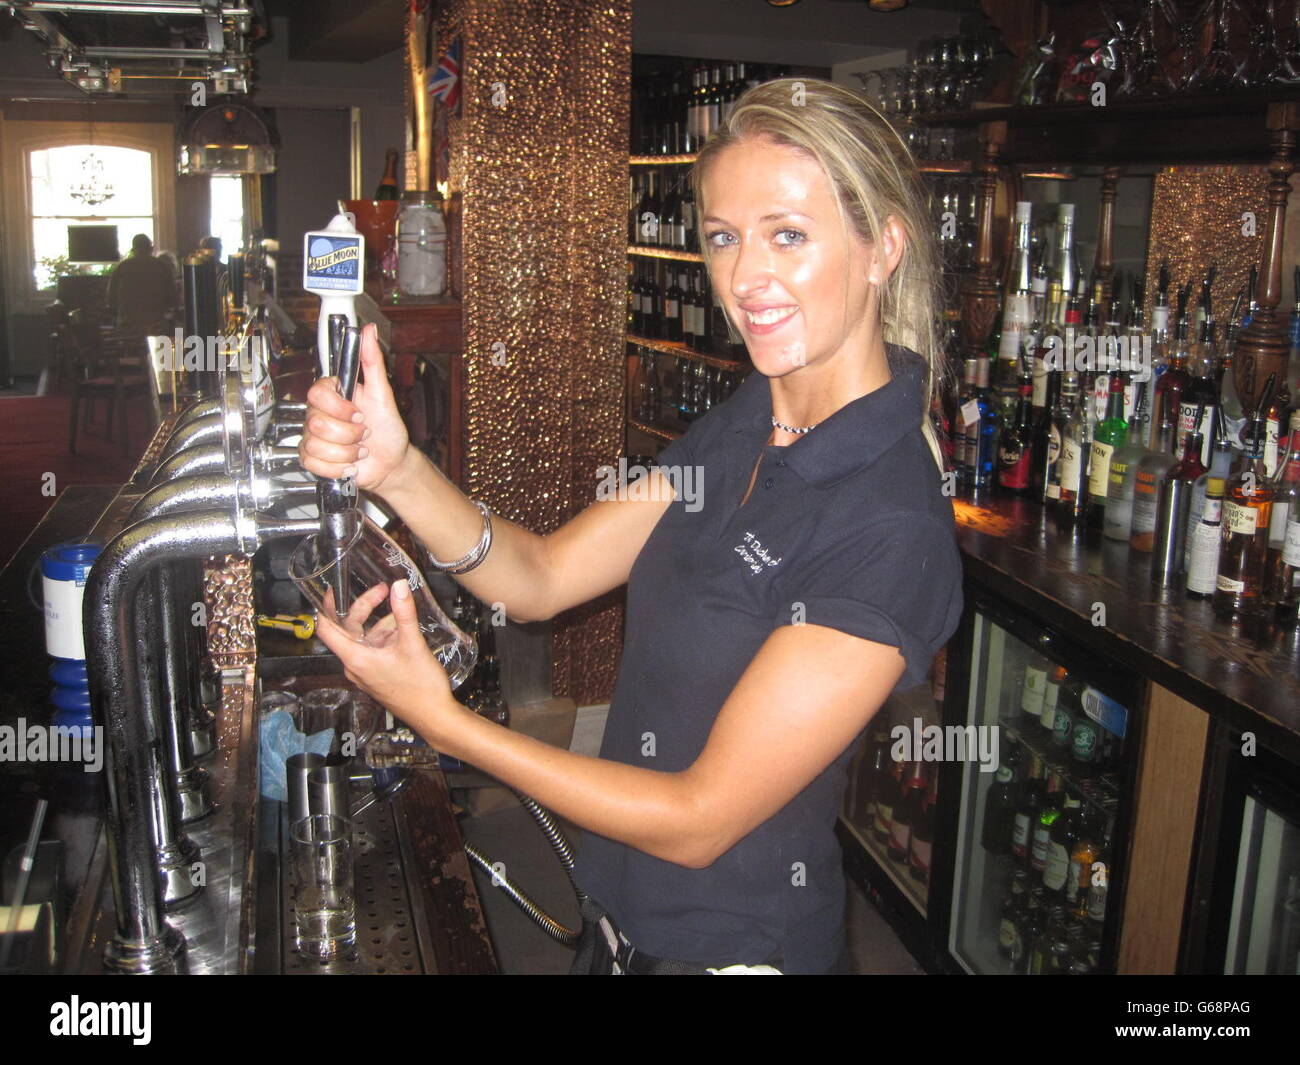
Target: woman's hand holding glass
(390,659)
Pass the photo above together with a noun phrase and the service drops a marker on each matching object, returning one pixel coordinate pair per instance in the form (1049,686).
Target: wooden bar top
(1247,673)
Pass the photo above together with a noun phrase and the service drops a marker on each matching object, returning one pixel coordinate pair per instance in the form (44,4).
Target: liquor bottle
(1069,708)
(1286,511)
(1076,446)
(1220,466)
(1175,501)
(489,703)
(921,848)
(1046,447)
(1085,739)
(676,117)
(1010,923)
(1099,880)
(1056,679)
(633,323)
(1288,584)
(1170,384)
(1230,411)
(1201,394)
(1016,317)
(966,425)
(1247,510)
(1203,543)
(1033,928)
(652,306)
(1111,433)
(387,188)
(887,798)
(690,226)
(669,214)
(1015,447)
(1033,689)
(672,308)
(1068,397)
(1275,427)
(1047,816)
(1065,273)
(1061,840)
(1118,523)
(687,285)
(1028,804)
(1204,308)
(875,770)
(1160,323)
(693,125)
(1082,855)
(900,828)
(647,211)
(1146,489)
(1000,812)
(981,435)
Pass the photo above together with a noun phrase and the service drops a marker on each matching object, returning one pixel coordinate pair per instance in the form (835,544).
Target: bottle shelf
(661,160)
(897,871)
(671,347)
(657,431)
(944,166)
(1098,790)
(649,252)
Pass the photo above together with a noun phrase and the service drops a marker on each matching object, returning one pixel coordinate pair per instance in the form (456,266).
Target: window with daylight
(89,184)
(226,219)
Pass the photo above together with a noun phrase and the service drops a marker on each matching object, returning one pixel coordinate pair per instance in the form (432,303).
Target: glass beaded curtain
(539,153)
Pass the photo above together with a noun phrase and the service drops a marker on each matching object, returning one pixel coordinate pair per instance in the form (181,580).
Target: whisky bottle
(1243,551)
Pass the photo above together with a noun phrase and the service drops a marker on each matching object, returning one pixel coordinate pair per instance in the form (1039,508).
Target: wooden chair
(111,367)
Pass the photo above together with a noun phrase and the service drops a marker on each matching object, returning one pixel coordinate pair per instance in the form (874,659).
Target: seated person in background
(142,290)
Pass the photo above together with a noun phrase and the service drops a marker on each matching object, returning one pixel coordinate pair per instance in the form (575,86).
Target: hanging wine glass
(1264,63)
(1187,31)
(1149,77)
(1126,38)
(1218,70)
(1292,56)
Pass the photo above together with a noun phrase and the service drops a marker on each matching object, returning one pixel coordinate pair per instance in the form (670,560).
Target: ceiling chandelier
(92,188)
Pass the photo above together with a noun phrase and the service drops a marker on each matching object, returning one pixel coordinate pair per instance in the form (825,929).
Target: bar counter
(1244,673)
(418,910)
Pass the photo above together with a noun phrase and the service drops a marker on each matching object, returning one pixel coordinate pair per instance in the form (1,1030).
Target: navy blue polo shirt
(848,526)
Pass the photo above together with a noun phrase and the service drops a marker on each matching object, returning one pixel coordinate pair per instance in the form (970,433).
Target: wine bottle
(387,188)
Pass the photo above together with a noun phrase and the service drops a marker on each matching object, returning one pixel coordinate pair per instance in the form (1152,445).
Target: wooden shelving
(657,431)
(669,347)
(661,160)
(650,252)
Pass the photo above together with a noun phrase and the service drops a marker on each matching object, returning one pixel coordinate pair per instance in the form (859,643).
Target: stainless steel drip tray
(387,913)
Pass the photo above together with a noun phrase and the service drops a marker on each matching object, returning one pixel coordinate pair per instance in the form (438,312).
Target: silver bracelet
(476,555)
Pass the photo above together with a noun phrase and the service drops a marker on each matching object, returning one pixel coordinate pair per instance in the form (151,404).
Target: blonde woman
(769,615)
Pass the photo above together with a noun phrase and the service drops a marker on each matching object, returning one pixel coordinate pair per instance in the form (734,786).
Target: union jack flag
(444,83)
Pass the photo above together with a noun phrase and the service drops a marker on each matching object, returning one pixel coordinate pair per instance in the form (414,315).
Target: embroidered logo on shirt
(755,555)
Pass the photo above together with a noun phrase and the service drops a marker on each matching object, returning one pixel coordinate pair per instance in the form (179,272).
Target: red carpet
(34,446)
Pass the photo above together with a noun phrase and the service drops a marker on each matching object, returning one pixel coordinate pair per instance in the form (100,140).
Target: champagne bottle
(387,189)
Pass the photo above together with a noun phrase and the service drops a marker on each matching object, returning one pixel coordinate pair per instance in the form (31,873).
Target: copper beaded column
(539,152)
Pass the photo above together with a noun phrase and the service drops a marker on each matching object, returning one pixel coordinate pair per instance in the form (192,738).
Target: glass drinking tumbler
(324,896)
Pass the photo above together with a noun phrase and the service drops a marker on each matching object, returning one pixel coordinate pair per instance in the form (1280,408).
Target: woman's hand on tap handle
(365,438)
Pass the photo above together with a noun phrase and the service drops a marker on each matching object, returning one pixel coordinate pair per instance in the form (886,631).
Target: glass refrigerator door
(1035,878)
(1264,934)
